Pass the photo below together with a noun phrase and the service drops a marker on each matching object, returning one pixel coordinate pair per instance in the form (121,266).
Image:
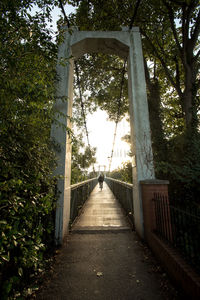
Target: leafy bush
(27,196)
(124,173)
(182,168)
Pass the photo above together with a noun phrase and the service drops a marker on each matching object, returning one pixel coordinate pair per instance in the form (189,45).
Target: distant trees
(123,173)
(83,157)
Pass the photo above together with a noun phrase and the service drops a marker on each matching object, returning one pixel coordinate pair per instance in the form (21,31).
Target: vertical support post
(63,108)
(149,187)
(140,128)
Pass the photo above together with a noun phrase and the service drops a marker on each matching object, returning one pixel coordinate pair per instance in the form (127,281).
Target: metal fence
(180,228)
(124,193)
(79,194)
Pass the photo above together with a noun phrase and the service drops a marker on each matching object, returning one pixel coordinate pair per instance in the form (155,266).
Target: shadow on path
(105,265)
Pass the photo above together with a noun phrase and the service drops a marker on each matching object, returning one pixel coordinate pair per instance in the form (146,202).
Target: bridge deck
(114,265)
(101,212)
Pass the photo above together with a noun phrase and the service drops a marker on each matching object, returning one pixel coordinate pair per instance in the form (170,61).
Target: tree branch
(189,11)
(63,11)
(177,2)
(196,32)
(197,55)
(177,71)
(163,64)
(134,13)
(171,18)
(184,29)
(147,75)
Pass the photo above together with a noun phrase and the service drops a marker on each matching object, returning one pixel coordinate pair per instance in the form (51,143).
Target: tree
(101,76)
(176,47)
(82,158)
(27,194)
(123,173)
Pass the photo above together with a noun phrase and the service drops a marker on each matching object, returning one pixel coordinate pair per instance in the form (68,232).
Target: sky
(101,135)
(56,12)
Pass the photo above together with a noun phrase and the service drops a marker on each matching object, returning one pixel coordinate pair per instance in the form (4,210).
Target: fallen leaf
(137,281)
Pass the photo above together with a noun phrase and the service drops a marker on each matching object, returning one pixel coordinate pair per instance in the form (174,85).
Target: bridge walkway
(101,212)
(104,260)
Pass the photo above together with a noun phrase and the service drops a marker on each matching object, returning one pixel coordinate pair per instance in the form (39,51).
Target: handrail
(76,185)
(79,194)
(123,191)
(121,182)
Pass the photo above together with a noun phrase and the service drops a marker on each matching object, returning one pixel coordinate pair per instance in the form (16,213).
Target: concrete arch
(126,44)
(101,44)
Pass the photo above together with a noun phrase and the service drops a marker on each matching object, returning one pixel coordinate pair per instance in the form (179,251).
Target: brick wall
(181,273)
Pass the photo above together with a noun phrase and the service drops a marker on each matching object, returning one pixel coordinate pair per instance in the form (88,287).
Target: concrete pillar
(63,108)
(140,128)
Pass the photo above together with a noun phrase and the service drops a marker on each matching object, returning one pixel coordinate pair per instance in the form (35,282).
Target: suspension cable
(119,102)
(82,104)
(121,87)
(83,108)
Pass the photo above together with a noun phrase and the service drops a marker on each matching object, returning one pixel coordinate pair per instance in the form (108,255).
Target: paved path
(102,264)
(101,212)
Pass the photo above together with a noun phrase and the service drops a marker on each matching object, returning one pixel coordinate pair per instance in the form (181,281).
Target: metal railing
(124,193)
(79,194)
(180,228)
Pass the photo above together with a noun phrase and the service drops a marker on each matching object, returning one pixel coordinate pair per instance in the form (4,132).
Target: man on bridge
(100,180)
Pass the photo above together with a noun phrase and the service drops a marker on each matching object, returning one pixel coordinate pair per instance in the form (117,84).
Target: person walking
(101,180)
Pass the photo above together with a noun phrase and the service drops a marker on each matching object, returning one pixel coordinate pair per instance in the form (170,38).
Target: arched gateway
(126,44)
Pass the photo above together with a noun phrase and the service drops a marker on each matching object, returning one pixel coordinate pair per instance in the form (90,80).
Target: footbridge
(168,230)
(101,212)
(105,259)
(119,208)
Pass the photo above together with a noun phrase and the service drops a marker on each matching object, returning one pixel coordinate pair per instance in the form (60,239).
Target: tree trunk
(158,140)
(189,93)
(154,100)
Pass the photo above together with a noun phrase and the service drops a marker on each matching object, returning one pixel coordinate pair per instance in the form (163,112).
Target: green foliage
(183,168)
(82,158)
(27,78)
(123,173)
(27,196)
(102,75)
(170,37)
